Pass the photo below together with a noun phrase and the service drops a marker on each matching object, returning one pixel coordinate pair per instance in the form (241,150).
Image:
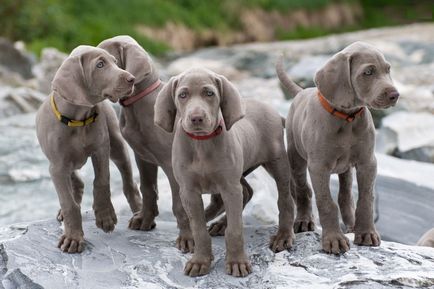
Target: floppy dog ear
(165,109)
(136,61)
(334,80)
(116,49)
(230,102)
(69,81)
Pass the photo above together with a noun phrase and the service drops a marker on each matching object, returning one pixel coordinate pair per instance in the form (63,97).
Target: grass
(66,23)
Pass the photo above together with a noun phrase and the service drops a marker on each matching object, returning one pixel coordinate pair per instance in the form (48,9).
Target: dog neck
(142,89)
(349,115)
(73,111)
(215,132)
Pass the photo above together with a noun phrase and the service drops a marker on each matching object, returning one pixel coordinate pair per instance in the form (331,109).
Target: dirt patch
(257,25)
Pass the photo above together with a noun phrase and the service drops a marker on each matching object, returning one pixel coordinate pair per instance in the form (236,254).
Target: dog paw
(281,241)
(335,243)
(218,228)
(304,225)
(71,243)
(59,216)
(198,266)
(185,242)
(106,219)
(239,268)
(369,238)
(139,222)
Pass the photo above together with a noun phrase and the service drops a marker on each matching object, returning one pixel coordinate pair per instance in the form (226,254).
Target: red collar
(130,100)
(216,132)
(336,113)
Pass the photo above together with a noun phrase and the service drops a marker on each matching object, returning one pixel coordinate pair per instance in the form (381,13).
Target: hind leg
(77,189)
(304,220)
(144,219)
(345,200)
(278,169)
(218,228)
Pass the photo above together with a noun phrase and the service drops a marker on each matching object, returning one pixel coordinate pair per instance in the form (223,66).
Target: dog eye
(209,93)
(369,71)
(182,95)
(100,64)
(388,69)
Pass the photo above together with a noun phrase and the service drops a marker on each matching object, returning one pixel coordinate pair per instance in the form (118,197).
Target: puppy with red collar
(218,137)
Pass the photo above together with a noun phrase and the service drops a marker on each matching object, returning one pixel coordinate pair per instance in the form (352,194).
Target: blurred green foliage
(66,23)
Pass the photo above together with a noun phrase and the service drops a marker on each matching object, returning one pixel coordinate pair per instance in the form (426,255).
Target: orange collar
(130,100)
(336,113)
(216,132)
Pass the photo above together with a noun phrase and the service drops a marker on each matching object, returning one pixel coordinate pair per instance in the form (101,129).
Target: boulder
(136,259)
(18,100)
(14,59)
(50,61)
(408,135)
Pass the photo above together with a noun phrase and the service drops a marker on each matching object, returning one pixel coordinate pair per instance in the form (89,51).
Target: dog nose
(196,119)
(393,95)
(130,78)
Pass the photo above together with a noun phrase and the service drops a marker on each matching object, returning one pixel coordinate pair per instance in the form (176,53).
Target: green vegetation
(66,23)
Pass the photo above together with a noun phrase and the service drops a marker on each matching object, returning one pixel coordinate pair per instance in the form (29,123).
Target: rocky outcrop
(408,135)
(14,59)
(50,61)
(135,259)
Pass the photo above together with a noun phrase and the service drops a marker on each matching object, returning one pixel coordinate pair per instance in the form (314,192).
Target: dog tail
(290,85)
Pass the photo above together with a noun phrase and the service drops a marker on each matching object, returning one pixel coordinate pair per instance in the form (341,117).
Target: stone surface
(50,61)
(14,59)
(135,259)
(408,135)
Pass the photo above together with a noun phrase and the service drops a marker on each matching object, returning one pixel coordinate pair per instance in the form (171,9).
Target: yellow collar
(70,122)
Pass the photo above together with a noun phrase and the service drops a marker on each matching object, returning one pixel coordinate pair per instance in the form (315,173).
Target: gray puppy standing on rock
(216,140)
(330,131)
(75,123)
(153,146)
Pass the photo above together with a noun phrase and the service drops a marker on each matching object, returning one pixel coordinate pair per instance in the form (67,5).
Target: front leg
(364,230)
(333,240)
(200,263)
(237,263)
(185,241)
(104,212)
(72,241)
(119,155)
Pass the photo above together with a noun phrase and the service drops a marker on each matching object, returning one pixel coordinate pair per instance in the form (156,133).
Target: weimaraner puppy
(427,239)
(75,123)
(215,142)
(330,131)
(152,146)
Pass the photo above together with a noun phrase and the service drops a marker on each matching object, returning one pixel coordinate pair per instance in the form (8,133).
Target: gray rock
(14,59)
(50,61)
(422,154)
(135,259)
(408,135)
(304,70)
(17,280)
(18,100)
